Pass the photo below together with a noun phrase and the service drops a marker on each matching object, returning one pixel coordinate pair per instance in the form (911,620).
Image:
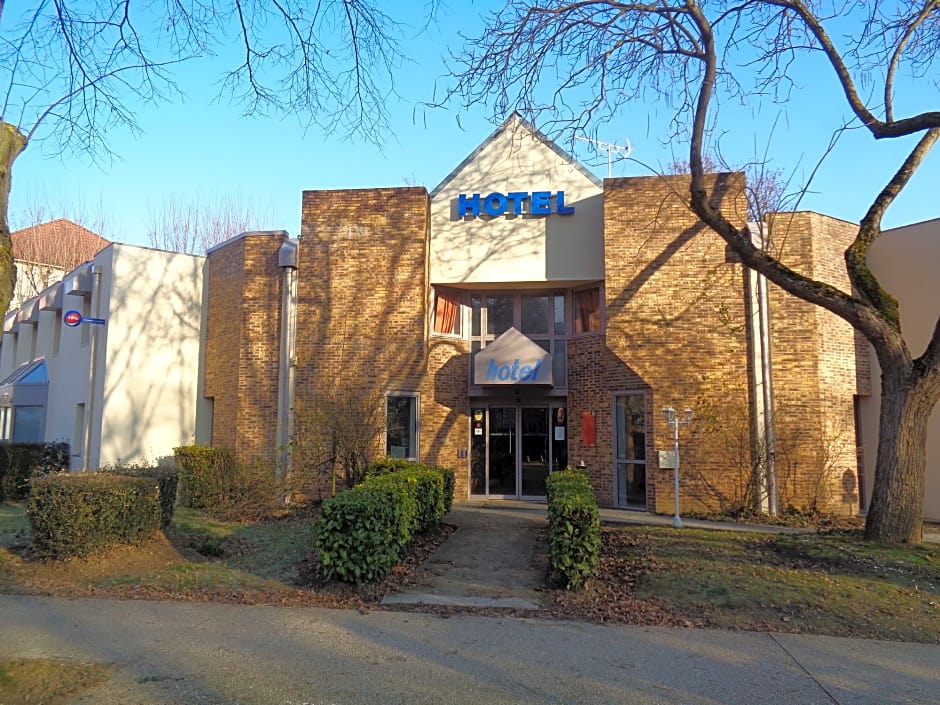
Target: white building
(138,400)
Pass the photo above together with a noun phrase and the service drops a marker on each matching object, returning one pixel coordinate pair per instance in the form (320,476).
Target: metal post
(676,521)
(90,409)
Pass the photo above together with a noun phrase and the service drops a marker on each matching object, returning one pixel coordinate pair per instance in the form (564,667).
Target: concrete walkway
(165,653)
(493,559)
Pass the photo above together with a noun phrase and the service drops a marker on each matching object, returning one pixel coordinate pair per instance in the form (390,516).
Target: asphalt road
(176,653)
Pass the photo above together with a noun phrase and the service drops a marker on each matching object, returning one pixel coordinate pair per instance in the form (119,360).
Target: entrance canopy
(513,359)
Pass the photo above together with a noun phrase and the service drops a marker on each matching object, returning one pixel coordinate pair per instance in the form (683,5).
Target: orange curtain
(446,309)
(588,307)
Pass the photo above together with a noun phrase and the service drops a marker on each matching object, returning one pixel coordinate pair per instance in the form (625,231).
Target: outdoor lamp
(673,420)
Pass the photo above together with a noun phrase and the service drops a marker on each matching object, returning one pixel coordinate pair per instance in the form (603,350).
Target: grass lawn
(826,583)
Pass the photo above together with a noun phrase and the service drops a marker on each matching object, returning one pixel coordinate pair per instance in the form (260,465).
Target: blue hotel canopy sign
(513,203)
(513,359)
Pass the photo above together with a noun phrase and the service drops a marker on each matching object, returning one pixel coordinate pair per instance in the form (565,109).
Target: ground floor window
(27,423)
(630,449)
(401,425)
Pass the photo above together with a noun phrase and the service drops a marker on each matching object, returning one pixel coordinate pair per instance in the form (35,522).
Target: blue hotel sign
(513,203)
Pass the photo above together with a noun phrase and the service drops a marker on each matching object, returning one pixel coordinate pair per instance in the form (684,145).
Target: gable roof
(513,122)
(58,243)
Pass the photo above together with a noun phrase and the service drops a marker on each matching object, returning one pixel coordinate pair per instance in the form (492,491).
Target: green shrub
(233,490)
(387,465)
(574,527)
(401,493)
(203,472)
(21,461)
(167,480)
(81,514)
(363,531)
(359,533)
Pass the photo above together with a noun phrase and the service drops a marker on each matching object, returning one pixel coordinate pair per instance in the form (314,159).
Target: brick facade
(676,333)
(243,341)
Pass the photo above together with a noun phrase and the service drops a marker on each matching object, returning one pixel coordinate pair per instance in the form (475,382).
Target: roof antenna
(611,149)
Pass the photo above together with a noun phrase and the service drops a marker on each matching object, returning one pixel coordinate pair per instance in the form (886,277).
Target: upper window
(587,310)
(401,426)
(446,312)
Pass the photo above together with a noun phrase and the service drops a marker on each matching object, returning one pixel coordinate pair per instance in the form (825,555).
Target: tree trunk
(12,142)
(896,514)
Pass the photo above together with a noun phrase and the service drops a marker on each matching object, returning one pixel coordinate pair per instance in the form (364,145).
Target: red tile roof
(59,243)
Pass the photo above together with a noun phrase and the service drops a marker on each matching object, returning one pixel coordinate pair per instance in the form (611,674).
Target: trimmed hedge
(167,480)
(363,531)
(358,534)
(203,474)
(82,514)
(574,527)
(21,461)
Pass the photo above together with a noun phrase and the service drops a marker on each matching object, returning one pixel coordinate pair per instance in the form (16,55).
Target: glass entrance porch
(513,448)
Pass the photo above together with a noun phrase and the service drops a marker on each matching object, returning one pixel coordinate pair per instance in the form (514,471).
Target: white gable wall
(513,249)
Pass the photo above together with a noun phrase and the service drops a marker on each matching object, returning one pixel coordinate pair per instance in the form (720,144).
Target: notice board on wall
(588,430)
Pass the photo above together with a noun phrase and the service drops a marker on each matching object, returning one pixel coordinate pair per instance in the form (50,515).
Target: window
(447,313)
(587,311)
(540,316)
(27,423)
(630,449)
(401,426)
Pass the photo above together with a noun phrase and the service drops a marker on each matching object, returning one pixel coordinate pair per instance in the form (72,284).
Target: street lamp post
(672,418)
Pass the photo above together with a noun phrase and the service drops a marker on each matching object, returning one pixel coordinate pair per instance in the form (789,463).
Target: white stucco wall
(148,389)
(147,363)
(905,261)
(517,249)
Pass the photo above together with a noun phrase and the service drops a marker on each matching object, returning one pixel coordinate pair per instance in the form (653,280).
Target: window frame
(642,395)
(552,338)
(416,430)
(455,295)
(601,310)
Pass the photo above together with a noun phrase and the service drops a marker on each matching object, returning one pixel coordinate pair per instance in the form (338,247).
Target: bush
(574,527)
(21,461)
(211,479)
(391,465)
(359,532)
(81,514)
(202,474)
(363,531)
(167,480)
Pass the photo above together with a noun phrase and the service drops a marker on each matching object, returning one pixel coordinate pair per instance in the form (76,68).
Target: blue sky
(205,149)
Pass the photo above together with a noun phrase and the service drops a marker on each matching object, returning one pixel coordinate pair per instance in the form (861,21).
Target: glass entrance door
(513,448)
(503,451)
(534,463)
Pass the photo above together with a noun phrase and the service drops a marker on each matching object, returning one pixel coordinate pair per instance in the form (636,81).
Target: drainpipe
(288,261)
(93,366)
(760,236)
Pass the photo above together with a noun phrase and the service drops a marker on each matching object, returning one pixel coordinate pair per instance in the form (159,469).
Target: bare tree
(70,71)
(581,63)
(193,225)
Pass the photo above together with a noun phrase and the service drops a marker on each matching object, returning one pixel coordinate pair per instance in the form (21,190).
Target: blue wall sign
(513,203)
(74,318)
(514,372)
